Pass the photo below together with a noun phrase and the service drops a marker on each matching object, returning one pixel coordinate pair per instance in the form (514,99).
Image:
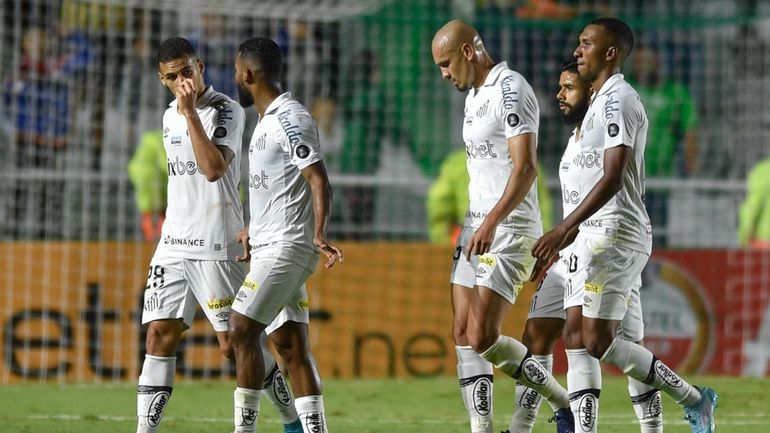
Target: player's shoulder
(223,104)
(292,112)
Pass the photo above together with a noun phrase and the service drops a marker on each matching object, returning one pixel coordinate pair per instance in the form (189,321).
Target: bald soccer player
(492,259)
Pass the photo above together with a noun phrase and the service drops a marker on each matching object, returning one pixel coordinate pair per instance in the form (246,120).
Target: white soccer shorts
(611,271)
(277,280)
(176,285)
(504,269)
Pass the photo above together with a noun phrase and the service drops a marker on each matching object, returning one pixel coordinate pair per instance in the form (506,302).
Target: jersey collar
(494,73)
(610,83)
(277,102)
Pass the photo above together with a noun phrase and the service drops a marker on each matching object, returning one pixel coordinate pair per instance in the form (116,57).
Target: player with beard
(289,198)
(555,301)
(614,240)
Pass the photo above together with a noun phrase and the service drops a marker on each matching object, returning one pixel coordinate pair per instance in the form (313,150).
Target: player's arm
(212,159)
(522,149)
(321,191)
(615,162)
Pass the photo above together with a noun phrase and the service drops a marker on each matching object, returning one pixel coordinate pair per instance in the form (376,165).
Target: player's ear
(612,53)
(201,66)
(467,51)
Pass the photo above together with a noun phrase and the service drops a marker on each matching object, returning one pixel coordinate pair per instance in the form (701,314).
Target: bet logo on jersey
(613,129)
(302,151)
(512,119)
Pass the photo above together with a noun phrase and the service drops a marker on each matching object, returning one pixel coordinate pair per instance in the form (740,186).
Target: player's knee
(480,339)
(596,344)
(161,341)
(573,338)
(226,348)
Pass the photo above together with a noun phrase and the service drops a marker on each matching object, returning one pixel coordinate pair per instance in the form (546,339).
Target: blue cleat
(701,414)
(295,427)
(565,422)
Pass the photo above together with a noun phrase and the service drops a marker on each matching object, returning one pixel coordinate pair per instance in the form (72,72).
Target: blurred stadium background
(80,93)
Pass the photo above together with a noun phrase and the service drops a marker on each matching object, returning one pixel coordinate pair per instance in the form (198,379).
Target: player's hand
(243,239)
(186,95)
(550,244)
(481,241)
(541,267)
(332,253)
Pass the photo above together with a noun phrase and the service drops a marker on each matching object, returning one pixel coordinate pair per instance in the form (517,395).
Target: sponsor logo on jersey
(592,288)
(588,159)
(224,113)
(509,95)
(223,316)
(259,144)
(302,151)
(512,119)
(611,105)
(181,168)
(155,410)
(613,129)
(303,304)
(292,131)
(220,132)
(569,196)
(176,141)
(184,242)
(165,131)
(481,390)
(216,304)
(468,120)
(258,181)
(485,150)
(595,224)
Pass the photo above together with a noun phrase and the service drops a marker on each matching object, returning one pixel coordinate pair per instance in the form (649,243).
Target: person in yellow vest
(447,200)
(754,217)
(148,172)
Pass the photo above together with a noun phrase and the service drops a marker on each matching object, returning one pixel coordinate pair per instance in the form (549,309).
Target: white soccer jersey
(569,177)
(616,117)
(202,218)
(503,107)
(284,142)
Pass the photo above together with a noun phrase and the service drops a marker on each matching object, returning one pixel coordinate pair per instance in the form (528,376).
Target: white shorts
(504,269)
(611,271)
(175,286)
(277,280)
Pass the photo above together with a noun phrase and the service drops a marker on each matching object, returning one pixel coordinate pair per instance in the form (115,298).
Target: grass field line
(611,419)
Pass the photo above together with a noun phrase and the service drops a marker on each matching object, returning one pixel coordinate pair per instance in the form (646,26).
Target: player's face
(574,96)
(174,72)
(453,66)
(244,95)
(591,52)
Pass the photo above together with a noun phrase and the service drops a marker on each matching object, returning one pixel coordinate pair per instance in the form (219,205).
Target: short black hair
(266,53)
(569,64)
(619,31)
(174,48)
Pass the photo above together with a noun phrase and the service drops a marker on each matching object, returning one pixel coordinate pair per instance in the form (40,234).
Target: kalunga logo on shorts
(481,391)
(155,410)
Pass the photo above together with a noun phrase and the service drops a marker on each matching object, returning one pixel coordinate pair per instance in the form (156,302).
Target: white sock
(647,405)
(246,404)
(638,362)
(277,392)
(476,382)
(514,359)
(311,413)
(584,383)
(528,401)
(153,391)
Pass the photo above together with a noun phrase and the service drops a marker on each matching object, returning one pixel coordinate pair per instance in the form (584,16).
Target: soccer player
(614,239)
(289,195)
(557,299)
(196,257)
(492,259)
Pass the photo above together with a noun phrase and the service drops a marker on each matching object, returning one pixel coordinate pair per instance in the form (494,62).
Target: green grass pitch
(353,406)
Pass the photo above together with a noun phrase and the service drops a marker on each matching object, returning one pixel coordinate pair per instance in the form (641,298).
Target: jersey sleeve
(299,137)
(228,125)
(518,108)
(622,117)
